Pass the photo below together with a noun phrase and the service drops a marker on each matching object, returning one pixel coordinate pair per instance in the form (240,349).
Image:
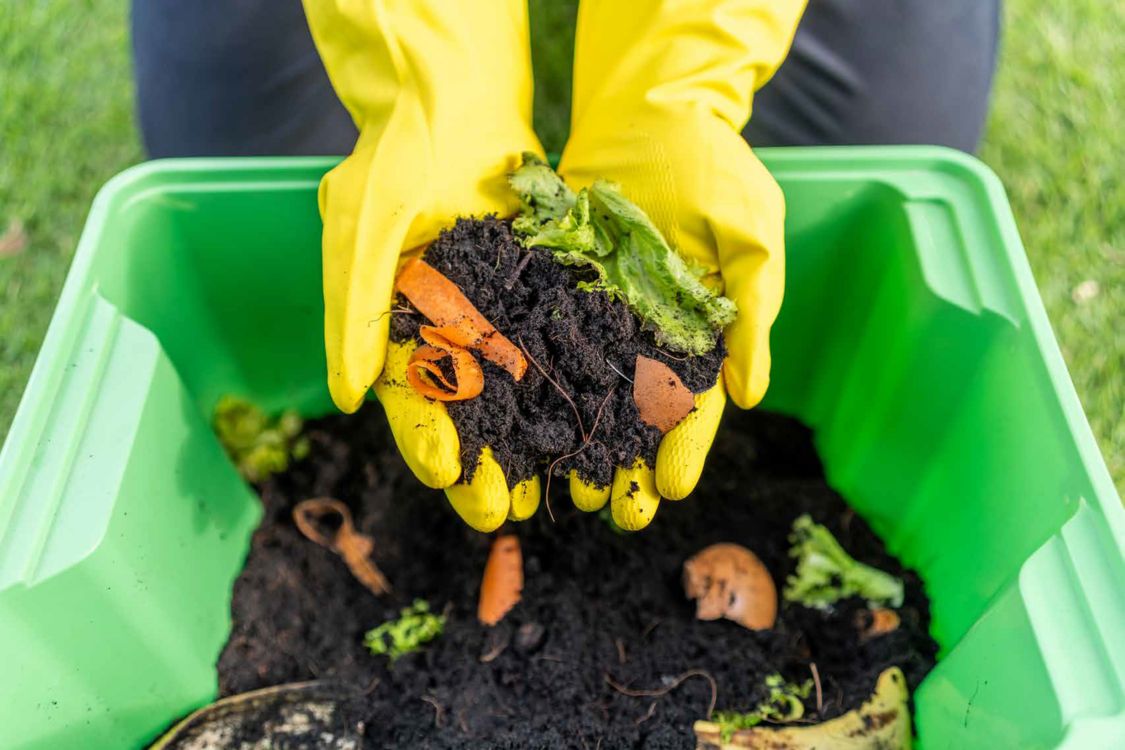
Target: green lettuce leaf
(600,228)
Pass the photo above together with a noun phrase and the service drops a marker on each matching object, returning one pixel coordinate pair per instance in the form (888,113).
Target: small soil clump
(573,409)
(599,609)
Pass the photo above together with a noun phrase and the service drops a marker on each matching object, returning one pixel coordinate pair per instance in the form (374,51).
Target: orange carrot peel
(459,323)
(352,546)
(466,370)
(502,583)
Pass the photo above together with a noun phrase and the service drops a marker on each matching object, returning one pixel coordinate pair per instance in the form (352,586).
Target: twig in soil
(816,681)
(621,657)
(648,714)
(439,710)
(675,683)
(372,686)
(648,630)
(547,657)
(511,282)
(569,400)
(493,652)
(669,355)
(614,368)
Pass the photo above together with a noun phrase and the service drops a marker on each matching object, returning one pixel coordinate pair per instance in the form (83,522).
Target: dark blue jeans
(229,77)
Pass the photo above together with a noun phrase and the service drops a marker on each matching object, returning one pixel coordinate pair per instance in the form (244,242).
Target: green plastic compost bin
(911,339)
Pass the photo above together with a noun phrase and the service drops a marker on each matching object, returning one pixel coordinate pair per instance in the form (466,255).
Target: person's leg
(218,78)
(883,72)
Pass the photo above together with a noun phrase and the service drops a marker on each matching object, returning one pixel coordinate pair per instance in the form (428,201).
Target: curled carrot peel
(502,583)
(355,548)
(468,376)
(440,300)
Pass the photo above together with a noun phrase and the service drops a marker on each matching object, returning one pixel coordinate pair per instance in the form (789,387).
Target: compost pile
(603,615)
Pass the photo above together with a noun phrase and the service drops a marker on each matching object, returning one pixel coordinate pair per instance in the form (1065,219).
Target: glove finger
(633,498)
(524,500)
(683,451)
(423,431)
(587,497)
(482,503)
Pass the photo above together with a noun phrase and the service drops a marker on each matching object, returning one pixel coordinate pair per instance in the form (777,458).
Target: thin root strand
(675,683)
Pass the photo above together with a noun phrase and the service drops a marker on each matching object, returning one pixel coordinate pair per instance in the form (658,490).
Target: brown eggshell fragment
(661,397)
(728,580)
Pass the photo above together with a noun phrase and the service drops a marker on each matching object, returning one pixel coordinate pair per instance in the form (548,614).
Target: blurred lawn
(1055,137)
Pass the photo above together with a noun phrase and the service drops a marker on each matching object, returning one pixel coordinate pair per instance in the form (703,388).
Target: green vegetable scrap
(416,626)
(602,229)
(784,704)
(826,573)
(258,445)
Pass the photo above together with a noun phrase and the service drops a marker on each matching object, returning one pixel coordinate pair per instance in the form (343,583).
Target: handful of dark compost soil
(573,410)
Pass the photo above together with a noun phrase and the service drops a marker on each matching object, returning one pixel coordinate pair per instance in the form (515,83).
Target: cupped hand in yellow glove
(661,93)
(441,94)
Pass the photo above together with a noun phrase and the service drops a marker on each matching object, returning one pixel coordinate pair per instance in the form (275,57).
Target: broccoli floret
(826,573)
(416,626)
(258,445)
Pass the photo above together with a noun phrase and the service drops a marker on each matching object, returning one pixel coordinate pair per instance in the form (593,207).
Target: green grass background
(1055,137)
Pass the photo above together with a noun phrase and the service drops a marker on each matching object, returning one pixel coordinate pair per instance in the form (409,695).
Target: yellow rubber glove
(441,94)
(661,93)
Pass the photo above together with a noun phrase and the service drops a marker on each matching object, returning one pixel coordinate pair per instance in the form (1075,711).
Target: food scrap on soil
(259,445)
(876,622)
(728,580)
(826,573)
(502,582)
(415,627)
(353,547)
(883,722)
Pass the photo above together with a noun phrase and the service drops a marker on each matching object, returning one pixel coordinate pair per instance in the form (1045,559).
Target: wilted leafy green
(602,229)
(784,704)
(258,445)
(416,626)
(826,573)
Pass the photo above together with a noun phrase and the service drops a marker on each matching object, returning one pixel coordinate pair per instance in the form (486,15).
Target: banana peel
(882,723)
(305,714)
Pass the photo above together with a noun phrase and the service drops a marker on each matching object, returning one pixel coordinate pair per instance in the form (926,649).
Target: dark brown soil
(576,337)
(597,604)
